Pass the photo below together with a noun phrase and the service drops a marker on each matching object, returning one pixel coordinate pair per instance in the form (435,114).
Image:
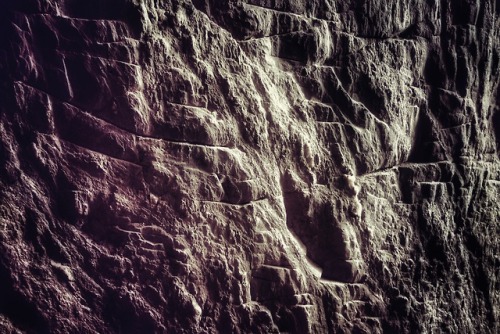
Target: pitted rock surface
(257,166)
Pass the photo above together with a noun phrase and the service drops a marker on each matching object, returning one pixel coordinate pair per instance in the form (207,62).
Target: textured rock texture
(257,166)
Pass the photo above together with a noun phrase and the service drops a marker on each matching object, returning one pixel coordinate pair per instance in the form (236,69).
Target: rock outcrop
(257,166)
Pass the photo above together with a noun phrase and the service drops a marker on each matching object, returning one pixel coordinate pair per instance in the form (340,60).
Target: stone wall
(258,166)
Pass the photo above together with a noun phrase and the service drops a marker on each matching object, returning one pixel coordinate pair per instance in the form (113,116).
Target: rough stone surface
(258,166)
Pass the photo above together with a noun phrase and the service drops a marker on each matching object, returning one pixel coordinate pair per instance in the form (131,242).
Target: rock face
(257,166)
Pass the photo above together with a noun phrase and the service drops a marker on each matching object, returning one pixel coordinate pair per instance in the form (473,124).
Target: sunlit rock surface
(258,166)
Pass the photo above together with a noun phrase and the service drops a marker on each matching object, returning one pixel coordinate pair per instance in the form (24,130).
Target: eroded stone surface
(249,166)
